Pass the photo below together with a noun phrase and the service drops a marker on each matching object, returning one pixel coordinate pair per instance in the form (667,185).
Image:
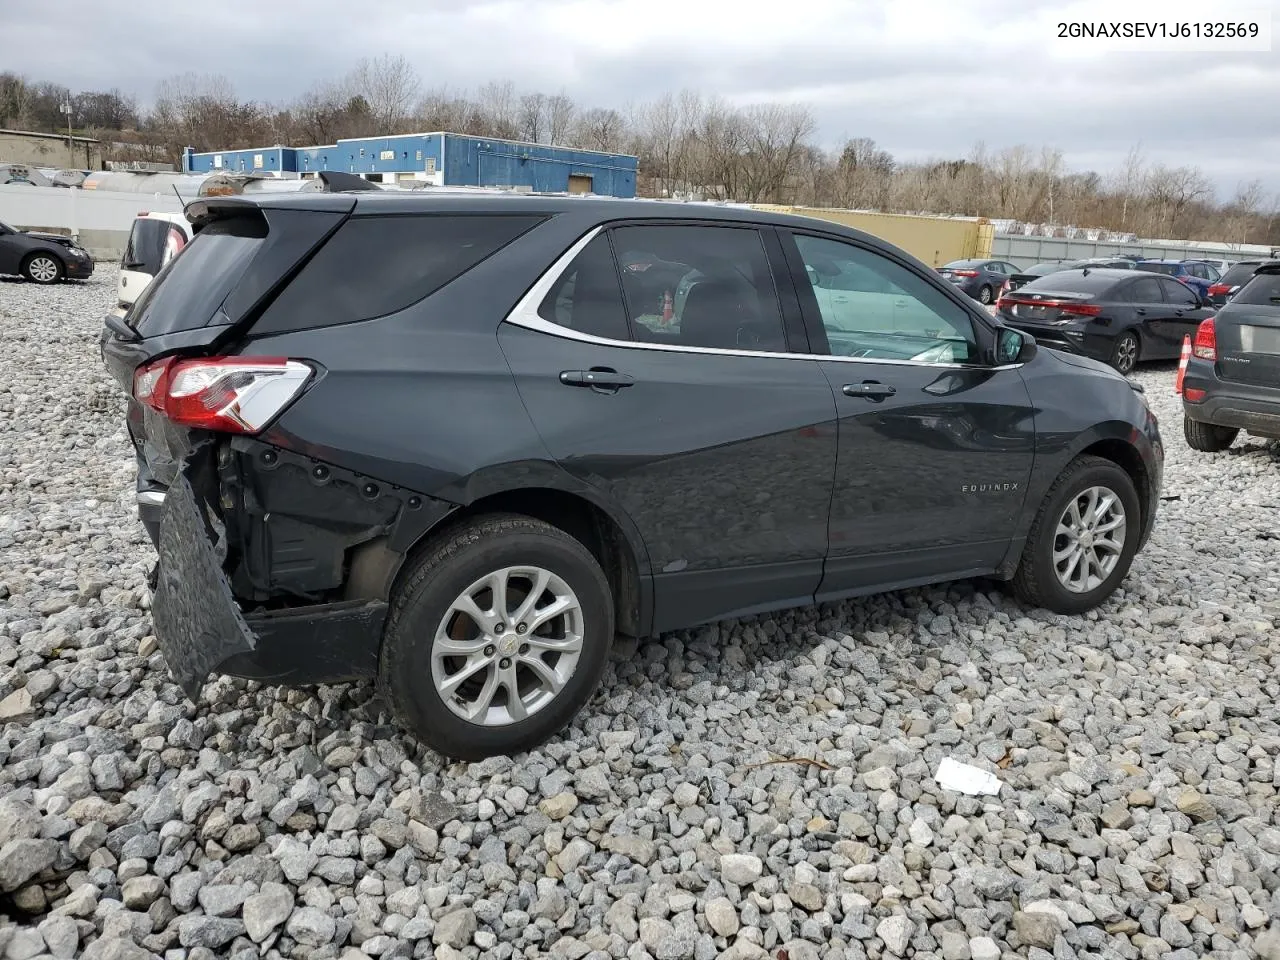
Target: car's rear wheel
(1082,540)
(496,638)
(42,268)
(984,295)
(1124,355)
(1208,437)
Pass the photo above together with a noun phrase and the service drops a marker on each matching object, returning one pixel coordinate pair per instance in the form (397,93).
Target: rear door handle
(870,389)
(601,377)
(1140,311)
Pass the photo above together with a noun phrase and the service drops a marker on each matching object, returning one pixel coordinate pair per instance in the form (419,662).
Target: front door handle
(604,378)
(869,389)
(1140,311)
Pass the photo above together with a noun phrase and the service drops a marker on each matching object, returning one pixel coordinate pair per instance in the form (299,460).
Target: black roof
(589,211)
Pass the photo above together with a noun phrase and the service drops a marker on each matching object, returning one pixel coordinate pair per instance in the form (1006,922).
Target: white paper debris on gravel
(964,778)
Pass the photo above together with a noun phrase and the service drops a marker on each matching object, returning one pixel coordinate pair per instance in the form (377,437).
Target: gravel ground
(1138,748)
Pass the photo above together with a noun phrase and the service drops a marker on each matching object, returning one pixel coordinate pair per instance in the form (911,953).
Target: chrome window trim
(525,314)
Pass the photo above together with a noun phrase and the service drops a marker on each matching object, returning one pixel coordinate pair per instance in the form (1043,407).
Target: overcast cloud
(924,79)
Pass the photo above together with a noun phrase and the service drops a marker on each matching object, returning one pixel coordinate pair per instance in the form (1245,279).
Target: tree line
(688,144)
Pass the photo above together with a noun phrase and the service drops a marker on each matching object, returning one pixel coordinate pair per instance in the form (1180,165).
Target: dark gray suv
(459,443)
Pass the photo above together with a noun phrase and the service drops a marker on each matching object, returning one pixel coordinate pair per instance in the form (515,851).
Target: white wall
(101,220)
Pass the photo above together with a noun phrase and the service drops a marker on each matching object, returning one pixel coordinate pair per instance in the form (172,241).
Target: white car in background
(154,240)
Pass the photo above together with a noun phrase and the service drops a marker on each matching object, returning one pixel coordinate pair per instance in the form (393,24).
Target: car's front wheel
(496,638)
(42,268)
(1208,437)
(1124,354)
(1082,540)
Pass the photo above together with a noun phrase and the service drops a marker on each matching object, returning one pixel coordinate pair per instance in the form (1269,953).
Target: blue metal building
(445,159)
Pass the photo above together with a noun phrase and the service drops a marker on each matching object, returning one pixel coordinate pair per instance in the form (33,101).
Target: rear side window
(187,291)
(1262,290)
(374,266)
(1178,293)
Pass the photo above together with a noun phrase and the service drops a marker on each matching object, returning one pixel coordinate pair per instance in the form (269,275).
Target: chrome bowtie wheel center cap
(508,644)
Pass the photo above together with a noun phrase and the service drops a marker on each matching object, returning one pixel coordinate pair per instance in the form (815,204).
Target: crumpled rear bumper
(202,629)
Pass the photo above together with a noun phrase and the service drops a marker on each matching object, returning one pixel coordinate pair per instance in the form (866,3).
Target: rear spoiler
(337,182)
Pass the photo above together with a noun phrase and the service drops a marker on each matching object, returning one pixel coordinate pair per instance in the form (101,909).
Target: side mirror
(1014,346)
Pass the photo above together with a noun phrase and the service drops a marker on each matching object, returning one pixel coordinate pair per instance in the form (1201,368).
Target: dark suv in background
(459,443)
(1231,381)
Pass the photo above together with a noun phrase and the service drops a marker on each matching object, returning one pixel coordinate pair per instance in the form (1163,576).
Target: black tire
(1125,353)
(984,296)
(1208,437)
(1036,581)
(423,599)
(33,268)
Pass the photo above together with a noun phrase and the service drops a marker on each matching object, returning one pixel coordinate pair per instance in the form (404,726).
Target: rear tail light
(964,273)
(1080,309)
(1218,289)
(1068,307)
(1206,343)
(226,394)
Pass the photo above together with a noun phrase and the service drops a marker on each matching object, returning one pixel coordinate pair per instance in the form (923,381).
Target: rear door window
(1144,290)
(700,286)
(374,266)
(587,297)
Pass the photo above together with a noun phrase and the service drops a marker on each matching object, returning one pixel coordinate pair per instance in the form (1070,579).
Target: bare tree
(390,87)
(600,129)
(560,111)
(501,107)
(1244,208)
(533,117)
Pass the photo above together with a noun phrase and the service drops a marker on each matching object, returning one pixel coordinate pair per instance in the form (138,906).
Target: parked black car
(1117,316)
(1229,284)
(1232,379)
(1036,271)
(448,442)
(42,257)
(980,279)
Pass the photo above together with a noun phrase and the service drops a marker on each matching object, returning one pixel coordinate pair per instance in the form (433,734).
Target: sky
(924,78)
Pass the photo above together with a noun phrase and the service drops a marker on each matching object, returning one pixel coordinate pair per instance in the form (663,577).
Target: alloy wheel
(1089,539)
(43,269)
(1126,354)
(507,646)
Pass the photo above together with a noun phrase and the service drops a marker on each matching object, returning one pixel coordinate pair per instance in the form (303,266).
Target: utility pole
(71,150)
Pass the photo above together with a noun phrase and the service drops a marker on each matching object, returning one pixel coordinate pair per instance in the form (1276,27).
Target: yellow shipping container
(935,240)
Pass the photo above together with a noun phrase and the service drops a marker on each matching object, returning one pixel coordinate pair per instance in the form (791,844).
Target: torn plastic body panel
(276,567)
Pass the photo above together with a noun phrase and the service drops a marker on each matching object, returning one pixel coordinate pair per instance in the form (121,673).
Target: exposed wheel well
(1129,460)
(583,521)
